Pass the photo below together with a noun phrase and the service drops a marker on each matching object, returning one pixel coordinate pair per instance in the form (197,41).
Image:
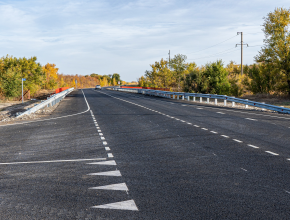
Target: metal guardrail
(188,96)
(51,101)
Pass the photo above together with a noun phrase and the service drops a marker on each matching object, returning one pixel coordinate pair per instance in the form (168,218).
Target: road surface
(111,155)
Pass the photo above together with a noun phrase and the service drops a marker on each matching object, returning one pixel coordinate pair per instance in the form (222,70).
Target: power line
(214,45)
(219,53)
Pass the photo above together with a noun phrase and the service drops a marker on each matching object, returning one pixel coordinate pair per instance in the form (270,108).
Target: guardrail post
(188,98)
(247,105)
(233,103)
(263,108)
(215,101)
(183,97)
(200,99)
(193,99)
(225,102)
(207,100)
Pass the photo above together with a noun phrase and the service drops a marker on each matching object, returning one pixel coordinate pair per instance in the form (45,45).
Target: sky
(114,36)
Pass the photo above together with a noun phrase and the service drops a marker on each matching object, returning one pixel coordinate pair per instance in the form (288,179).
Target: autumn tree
(51,75)
(276,49)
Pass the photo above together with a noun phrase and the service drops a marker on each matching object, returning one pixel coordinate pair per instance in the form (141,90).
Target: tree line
(269,75)
(38,77)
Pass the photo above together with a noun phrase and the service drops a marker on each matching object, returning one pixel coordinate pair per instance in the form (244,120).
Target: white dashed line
(105,143)
(196,126)
(204,129)
(270,152)
(237,140)
(225,136)
(102,138)
(110,155)
(244,169)
(221,113)
(107,148)
(253,146)
(99,131)
(101,134)
(189,123)
(213,132)
(251,119)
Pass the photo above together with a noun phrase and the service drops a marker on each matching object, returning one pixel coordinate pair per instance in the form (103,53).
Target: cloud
(102,36)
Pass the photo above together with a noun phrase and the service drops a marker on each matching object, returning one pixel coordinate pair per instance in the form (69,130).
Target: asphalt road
(113,155)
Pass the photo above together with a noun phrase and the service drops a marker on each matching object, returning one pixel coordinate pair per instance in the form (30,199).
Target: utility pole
(169,58)
(242,43)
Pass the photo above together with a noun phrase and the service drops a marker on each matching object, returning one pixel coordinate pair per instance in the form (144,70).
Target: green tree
(276,49)
(179,66)
(116,77)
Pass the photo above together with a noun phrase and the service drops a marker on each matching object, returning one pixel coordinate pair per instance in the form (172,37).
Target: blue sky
(110,36)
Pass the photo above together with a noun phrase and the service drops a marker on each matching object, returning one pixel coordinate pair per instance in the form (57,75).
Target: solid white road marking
(225,136)
(108,173)
(110,155)
(109,162)
(253,146)
(107,148)
(118,186)
(270,152)
(124,205)
(53,161)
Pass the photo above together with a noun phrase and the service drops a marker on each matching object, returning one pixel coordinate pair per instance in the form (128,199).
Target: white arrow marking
(109,173)
(119,186)
(109,162)
(124,205)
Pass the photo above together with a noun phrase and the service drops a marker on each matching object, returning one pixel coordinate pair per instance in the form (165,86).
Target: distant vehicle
(98,87)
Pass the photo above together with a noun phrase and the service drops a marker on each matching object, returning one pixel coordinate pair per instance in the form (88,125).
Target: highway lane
(258,174)
(158,161)
(266,129)
(49,168)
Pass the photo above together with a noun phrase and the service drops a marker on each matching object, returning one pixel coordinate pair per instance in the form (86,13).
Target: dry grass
(270,99)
